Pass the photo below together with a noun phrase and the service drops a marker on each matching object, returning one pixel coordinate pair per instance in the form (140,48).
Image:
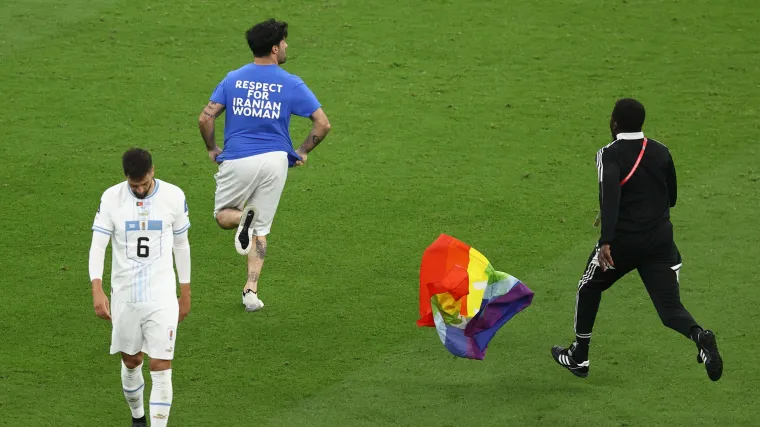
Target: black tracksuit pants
(656,258)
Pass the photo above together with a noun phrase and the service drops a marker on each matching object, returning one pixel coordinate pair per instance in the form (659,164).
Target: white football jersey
(142,236)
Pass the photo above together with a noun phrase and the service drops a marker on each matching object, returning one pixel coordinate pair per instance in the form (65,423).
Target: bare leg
(157,365)
(228,218)
(255,263)
(132,361)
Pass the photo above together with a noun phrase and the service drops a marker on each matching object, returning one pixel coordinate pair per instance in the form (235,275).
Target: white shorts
(255,180)
(147,327)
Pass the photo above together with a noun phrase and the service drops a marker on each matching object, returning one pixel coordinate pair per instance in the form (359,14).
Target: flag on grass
(465,298)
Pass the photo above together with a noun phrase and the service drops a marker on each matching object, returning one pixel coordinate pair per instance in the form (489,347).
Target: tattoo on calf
(261,249)
(253,277)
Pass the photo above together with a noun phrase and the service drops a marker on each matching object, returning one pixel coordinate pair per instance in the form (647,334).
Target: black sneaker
(244,234)
(699,354)
(139,422)
(564,356)
(709,355)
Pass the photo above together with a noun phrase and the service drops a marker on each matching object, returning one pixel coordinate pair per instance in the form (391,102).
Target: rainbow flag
(465,298)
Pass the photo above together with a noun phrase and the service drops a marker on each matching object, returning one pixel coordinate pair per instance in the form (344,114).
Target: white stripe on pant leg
(590,271)
(586,276)
(593,268)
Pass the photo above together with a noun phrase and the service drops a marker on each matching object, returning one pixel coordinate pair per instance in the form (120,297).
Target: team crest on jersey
(143,225)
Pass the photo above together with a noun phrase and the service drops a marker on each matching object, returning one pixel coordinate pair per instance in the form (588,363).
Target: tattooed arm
(319,130)
(206,125)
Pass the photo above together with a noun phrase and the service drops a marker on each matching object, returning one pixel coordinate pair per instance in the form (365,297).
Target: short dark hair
(629,114)
(265,35)
(137,163)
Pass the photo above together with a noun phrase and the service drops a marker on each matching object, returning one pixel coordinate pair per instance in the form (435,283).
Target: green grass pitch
(479,119)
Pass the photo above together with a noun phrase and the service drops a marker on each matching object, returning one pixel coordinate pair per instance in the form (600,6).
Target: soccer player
(637,188)
(258,99)
(146,220)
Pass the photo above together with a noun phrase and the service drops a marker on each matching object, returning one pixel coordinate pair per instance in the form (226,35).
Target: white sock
(132,384)
(160,397)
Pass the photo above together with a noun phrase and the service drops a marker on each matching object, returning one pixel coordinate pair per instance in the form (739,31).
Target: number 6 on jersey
(142,237)
(143,251)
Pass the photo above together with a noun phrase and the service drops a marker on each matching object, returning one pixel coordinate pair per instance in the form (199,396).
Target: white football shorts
(148,327)
(257,180)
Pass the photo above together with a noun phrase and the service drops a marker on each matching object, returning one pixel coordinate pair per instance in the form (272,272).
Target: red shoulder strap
(635,165)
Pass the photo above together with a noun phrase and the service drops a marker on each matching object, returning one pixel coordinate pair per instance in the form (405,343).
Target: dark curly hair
(265,35)
(137,163)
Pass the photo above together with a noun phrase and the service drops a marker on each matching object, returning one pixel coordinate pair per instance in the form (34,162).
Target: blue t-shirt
(259,100)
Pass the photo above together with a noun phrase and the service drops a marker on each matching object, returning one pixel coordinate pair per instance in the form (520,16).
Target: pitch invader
(259,99)
(146,220)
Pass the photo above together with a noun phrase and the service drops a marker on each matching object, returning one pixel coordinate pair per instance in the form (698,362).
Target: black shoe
(244,234)
(563,356)
(139,422)
(699,354)
(709,355)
